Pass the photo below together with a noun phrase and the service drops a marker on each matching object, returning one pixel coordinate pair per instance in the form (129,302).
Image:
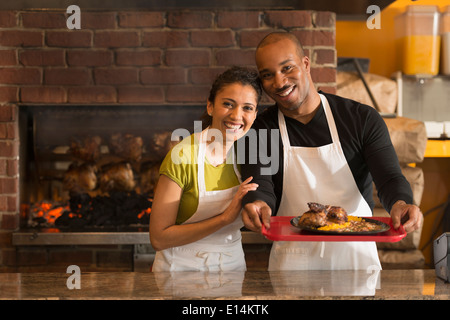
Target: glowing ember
(45,213)
(118,209)
(144,212)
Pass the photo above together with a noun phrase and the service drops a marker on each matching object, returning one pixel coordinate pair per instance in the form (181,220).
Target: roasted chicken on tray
(327,218)
(320,215)
(315,217)
(337,215)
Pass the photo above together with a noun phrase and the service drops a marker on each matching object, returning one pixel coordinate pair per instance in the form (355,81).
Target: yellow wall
(355,39)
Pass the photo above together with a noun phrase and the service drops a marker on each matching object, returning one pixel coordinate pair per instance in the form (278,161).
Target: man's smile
(285,92)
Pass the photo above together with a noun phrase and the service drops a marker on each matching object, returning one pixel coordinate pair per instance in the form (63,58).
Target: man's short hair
(281,35)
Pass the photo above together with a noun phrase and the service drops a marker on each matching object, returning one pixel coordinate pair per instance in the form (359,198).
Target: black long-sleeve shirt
(364,139)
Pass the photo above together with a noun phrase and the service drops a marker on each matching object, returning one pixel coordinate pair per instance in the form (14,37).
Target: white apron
(320,175)
(220,251)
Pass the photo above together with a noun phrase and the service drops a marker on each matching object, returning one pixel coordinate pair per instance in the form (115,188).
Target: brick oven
(121,61)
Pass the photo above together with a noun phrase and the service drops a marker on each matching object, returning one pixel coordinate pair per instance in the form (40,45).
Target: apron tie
(322,249)
(205,255)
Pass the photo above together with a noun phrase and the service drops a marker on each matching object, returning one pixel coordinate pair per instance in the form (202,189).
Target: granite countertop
(250,285)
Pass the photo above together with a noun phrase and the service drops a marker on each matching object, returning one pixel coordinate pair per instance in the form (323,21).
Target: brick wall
(148,57)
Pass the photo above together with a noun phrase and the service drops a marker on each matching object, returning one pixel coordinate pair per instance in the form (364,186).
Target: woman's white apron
(220,251)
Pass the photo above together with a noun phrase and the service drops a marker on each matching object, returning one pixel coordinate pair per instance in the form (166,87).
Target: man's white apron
(320,175)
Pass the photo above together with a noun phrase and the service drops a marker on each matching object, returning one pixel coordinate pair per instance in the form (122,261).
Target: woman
(195,221)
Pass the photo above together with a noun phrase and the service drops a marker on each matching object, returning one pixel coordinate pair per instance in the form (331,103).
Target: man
(329,150)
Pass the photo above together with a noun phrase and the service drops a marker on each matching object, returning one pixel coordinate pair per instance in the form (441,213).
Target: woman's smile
(235,127)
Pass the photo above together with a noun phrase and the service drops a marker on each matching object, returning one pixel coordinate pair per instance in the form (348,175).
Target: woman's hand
(231,213)
(164,233)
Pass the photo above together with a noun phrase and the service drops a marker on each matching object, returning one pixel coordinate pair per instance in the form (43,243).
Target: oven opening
(85,167)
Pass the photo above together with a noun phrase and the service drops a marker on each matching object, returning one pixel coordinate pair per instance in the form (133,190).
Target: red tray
(282,230)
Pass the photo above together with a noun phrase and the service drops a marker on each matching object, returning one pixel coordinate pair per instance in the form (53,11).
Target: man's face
(284,74)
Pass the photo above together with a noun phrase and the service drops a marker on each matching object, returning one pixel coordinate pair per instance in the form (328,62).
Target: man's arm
(261,160)
(394,190)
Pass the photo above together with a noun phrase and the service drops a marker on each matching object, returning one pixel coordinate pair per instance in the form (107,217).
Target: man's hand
(255,214)
(407,214)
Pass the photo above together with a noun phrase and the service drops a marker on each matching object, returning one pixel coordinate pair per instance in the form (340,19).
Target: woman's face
(233,110)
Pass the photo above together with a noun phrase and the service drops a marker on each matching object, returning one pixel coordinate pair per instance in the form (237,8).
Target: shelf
(437,149)
(122,236)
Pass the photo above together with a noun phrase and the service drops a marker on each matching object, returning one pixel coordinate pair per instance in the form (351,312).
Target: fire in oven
(94,166)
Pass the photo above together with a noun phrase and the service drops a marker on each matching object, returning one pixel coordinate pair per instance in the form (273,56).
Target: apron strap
(234,159)
(201,162)
(283,130)
(330,121)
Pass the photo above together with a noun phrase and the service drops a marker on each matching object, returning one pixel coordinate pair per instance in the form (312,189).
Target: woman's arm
(164,233)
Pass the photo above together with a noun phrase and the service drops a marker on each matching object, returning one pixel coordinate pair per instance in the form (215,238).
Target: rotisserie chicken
(86,148)
(149,177)
(126,146)
(80,178)
(117,176)
(161,144)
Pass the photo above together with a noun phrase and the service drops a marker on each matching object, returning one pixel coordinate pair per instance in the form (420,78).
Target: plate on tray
(281,229)
(383,228)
